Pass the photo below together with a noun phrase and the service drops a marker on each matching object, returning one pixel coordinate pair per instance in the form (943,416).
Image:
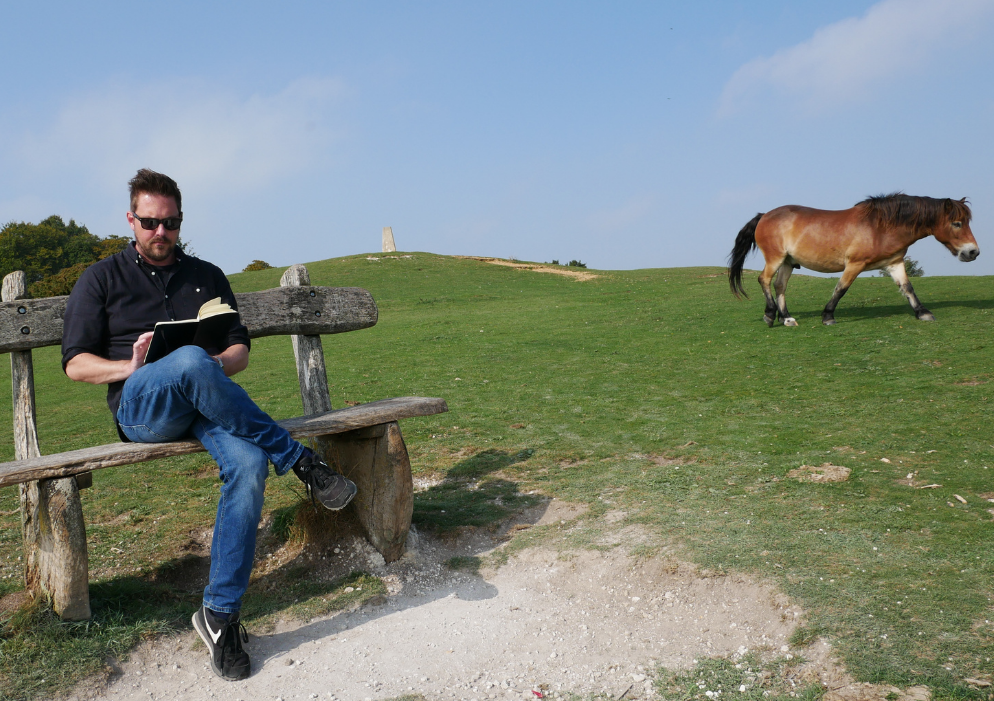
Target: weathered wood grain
(309,354)
(338,421)
(377,461)
(308,310)
(52,528)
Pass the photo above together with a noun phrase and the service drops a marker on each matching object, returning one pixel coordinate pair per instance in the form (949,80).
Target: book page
(213,308)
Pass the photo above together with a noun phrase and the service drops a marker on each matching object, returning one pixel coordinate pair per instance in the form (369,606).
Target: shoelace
(241,635)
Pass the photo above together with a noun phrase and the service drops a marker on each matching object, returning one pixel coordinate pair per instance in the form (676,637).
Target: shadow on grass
(473,493)
(871,311)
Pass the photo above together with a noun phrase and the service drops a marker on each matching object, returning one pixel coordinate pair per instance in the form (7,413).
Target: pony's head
(946,219)
(954,232)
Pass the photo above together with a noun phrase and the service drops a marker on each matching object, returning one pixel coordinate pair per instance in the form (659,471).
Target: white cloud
(210,140)
(841,61)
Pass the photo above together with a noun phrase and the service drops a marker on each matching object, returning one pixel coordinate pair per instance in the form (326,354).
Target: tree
(45,248)
(53,254)
(911,267)
(257,265)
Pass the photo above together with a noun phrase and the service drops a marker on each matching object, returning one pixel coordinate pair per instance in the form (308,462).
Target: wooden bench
(363,442)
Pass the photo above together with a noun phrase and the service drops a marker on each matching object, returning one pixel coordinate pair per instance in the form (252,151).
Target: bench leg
(55,554)
(376,460)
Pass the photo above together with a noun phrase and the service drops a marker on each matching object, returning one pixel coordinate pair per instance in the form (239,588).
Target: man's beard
(152,254)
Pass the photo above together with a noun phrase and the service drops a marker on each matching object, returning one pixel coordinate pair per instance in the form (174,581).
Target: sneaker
(324,484)
(223,639)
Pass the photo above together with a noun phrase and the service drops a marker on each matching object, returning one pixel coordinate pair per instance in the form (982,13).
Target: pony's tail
(745,243)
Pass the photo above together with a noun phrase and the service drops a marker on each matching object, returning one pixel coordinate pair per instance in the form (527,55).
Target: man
(108,322)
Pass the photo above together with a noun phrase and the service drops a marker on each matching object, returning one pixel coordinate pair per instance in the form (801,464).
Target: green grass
(576,389)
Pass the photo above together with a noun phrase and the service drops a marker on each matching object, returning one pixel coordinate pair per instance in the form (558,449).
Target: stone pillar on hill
(388,245)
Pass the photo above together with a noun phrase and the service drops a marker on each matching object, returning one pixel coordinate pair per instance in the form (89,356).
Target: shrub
(257,265)
(576,264)
(911,267)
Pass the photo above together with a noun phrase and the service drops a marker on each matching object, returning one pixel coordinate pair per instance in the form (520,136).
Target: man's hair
(152,183)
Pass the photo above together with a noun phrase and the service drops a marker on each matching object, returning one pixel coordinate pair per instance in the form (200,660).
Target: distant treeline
(53,254)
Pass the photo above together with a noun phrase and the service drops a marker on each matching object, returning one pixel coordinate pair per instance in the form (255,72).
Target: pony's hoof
(790,321)
(926,316)
(830,321)
(769,321)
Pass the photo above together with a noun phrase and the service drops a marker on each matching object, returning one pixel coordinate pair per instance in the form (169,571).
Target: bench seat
(75,462)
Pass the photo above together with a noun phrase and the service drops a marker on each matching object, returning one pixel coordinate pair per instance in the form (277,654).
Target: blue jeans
(186,394)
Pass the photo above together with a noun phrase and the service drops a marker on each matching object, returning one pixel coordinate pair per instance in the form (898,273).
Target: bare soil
(534,267)
(547,622)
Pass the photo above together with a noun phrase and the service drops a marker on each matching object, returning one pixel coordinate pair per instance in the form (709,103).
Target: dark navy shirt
(121,297)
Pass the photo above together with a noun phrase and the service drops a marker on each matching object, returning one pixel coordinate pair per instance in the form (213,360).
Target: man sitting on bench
(108,323)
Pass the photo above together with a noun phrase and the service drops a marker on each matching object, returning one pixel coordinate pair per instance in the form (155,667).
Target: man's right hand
(87,367)
(139,349)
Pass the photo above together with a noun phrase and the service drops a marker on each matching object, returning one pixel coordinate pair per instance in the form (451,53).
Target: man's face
(158,246)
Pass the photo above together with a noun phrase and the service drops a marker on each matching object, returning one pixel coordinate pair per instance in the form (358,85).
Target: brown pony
(873,235)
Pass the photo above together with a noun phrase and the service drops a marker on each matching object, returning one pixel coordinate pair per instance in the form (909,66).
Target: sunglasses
(151,223)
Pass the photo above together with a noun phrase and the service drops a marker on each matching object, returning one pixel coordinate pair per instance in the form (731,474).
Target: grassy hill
(577,390)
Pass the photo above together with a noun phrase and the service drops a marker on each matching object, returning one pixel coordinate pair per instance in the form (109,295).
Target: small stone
(289,662)
(638,678)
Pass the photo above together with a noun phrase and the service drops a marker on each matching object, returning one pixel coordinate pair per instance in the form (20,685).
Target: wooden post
(374,458)
(54,535)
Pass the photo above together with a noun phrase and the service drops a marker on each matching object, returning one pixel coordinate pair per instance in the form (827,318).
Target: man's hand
(87,367)
(139,349)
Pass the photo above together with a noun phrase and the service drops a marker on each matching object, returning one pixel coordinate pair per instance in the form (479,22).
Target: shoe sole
(206,639)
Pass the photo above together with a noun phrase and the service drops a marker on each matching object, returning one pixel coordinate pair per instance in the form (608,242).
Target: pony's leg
(770,315)
(848,275)
(780,285)
(900,276)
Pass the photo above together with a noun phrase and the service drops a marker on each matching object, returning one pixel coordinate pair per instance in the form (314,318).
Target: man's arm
(87,367)
(235,358)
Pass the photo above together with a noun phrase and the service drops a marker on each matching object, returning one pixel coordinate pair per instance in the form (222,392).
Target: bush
(911,267)
(59,284)
(257,265)
(576,264)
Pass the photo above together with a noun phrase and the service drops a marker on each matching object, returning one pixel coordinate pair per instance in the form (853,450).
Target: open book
(209,330)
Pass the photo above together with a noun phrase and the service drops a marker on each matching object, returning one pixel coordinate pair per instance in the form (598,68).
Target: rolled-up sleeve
(85,323)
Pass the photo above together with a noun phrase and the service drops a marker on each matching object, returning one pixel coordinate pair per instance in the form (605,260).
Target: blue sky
(628,135)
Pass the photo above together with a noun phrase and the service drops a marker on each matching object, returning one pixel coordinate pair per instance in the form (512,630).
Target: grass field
(576,389)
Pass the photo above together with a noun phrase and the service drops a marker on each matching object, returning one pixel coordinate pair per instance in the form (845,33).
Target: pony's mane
(898,209)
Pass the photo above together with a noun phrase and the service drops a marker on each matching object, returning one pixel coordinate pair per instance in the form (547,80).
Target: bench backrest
(305,311)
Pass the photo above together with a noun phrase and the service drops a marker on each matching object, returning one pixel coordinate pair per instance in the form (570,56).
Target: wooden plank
(52,527)
(309,355)
(381,469)
(306,310)
(338,421)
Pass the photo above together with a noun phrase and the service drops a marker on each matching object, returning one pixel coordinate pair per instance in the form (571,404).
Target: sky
(626,135)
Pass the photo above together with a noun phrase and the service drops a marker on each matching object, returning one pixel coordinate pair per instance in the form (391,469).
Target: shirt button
(153,272)
(167,296)
(198,289)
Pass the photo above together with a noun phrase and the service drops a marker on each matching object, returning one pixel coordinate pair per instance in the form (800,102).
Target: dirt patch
(534,267)
(553,622)
(13,601)
(826,473)
(664,461)
(821,667)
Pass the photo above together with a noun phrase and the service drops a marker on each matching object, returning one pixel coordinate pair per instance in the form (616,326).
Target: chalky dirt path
(592,622)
